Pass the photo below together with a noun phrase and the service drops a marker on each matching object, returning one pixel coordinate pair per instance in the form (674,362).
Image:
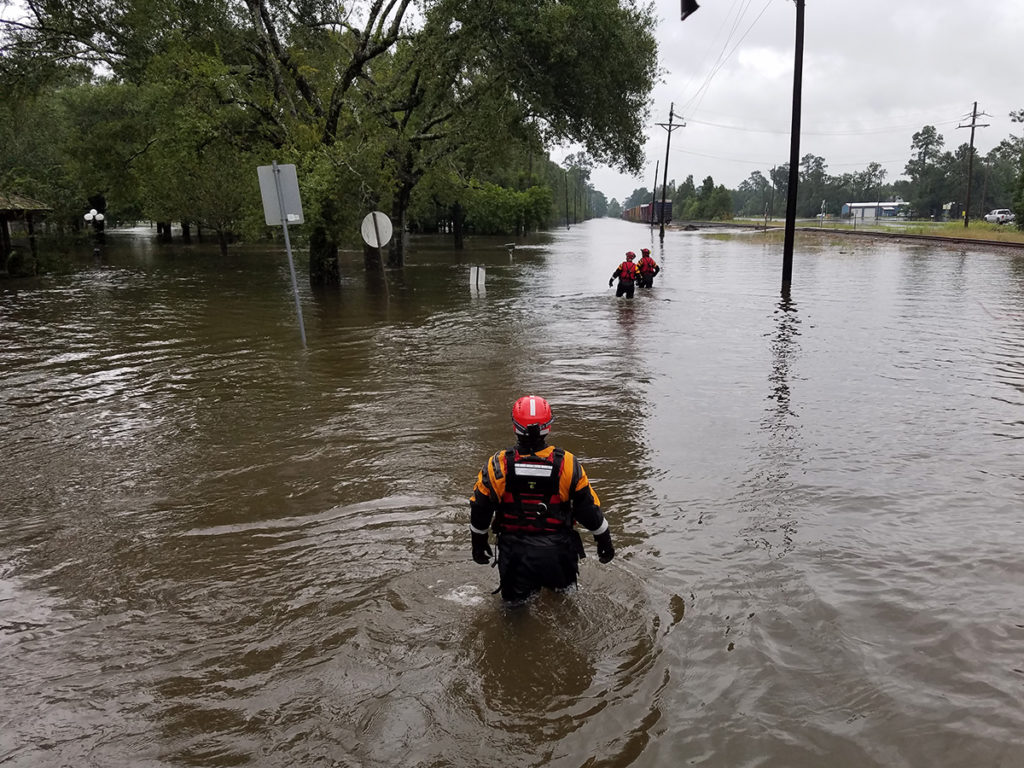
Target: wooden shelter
(18,208)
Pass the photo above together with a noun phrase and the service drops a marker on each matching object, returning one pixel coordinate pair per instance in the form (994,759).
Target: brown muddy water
(220,549)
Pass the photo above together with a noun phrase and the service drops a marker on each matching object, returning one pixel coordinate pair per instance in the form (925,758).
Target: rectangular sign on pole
(279,186)
(290,200)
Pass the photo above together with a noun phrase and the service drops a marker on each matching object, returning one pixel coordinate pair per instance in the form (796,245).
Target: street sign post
(279,187)
(376,230)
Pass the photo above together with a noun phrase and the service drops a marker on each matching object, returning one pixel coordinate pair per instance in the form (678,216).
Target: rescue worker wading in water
(532,495)
(648,268)
(627,274)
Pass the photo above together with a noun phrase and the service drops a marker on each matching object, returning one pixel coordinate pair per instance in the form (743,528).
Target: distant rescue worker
(532,496)
(648,268)
(627,274)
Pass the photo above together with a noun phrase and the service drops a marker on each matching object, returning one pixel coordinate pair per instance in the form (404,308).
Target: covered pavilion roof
(19,204)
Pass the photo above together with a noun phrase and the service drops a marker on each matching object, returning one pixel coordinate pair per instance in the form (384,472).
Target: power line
(702,91)
(865,132)
(766,162)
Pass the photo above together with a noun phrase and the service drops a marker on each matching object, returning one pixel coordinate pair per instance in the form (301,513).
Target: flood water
(220,549)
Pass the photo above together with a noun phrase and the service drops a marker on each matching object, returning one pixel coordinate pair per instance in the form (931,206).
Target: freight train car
(642,213)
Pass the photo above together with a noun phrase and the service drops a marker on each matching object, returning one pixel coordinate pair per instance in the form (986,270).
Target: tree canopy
(166,106)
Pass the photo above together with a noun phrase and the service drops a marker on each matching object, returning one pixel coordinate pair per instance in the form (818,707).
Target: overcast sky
(874,73)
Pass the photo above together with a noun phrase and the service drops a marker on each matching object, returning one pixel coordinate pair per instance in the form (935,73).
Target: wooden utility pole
(794,152)
(664,183)
(970,160)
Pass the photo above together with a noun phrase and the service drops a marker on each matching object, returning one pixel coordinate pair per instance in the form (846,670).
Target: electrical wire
(864,132)
(693,104)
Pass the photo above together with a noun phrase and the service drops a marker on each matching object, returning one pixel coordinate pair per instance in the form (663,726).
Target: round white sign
(382,231)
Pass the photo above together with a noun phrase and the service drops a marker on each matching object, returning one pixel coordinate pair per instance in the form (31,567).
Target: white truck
(1000,216)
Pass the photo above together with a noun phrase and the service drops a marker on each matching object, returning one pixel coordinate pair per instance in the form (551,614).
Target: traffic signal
(688,7)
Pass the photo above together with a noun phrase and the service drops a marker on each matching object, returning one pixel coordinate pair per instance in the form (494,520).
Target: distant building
(877,210)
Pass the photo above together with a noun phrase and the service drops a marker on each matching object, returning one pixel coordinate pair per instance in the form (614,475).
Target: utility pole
(566,199)
(654,194)
(970,159)
(664,184)
(794,152)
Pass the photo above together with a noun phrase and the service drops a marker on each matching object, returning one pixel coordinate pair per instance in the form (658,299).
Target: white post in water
(279,187)
(477,276)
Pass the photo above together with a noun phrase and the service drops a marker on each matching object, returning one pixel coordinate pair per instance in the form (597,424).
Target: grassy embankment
(978,229)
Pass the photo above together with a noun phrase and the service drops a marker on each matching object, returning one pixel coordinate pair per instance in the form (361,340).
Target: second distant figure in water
(648,269)
(627,274)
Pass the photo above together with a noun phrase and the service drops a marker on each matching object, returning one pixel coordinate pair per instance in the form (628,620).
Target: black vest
(531,502)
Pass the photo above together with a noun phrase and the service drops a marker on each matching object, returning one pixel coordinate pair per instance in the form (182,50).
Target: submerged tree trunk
(186,232)
(458,219)
(371,258)
(163,231)
(399,211)
(323,259)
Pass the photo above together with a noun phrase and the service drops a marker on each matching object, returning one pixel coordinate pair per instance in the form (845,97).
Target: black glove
(481,549)
(610,282)
(605,550)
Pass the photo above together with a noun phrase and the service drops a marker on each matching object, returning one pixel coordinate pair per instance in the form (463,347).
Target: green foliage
(494,210)
(706,203)
(1018,200)
(585,68)
(33,158)
(1013,152)
(641,196)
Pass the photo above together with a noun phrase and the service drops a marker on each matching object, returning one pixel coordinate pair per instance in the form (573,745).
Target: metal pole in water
(288,248)
(380,253)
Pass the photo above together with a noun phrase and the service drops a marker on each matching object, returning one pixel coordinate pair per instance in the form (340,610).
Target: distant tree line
(935,178)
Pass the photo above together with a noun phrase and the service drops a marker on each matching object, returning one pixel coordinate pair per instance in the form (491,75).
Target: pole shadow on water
(767,501)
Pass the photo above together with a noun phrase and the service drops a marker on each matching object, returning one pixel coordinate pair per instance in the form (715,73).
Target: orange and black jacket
(648,266)
(627,271)
(534,493)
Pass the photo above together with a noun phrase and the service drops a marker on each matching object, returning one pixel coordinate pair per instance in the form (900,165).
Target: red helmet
(531,415)
(645,251)
(630,255)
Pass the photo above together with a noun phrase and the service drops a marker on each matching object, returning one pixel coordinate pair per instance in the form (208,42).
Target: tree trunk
(163,231)
(458,219)
(399,210)
(222,240)
(323,259)
(5,239)
(186,232)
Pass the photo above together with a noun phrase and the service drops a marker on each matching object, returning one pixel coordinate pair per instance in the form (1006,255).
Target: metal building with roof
(876,210)
(16,208)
